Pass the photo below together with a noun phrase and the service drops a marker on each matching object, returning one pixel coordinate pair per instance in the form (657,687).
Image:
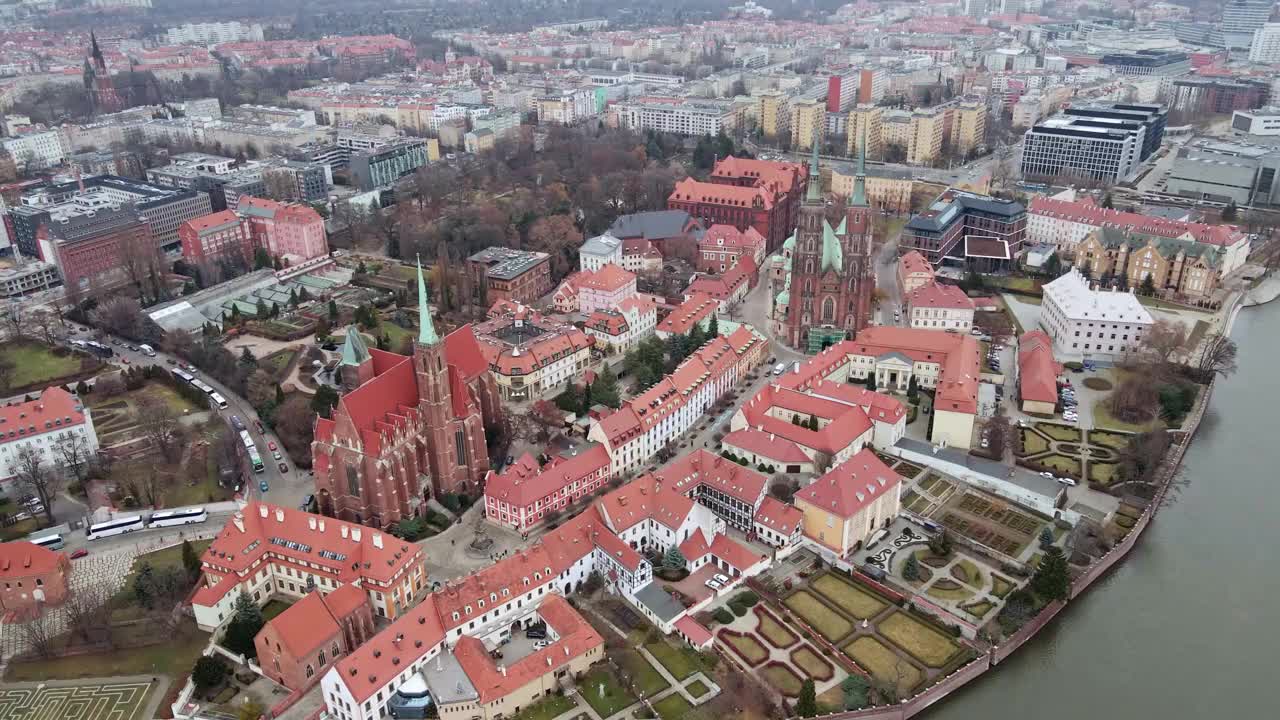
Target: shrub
(738,608)
(208,671)
(722,616)
(746,598)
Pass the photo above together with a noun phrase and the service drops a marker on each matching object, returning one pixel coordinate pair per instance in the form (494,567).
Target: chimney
(311,522)
(322,526)
(355,534)
(262,510)
(279,515)
(344,532)
(377,540)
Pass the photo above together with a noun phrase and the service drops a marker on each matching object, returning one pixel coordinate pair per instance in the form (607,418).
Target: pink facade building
(293,233)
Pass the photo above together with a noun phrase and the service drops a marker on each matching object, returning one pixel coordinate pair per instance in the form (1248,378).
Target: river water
(1185,628)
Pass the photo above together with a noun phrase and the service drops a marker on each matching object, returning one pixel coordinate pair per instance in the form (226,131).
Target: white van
(147,350)
(779,368)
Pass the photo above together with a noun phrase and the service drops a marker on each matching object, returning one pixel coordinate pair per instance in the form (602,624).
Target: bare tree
(72,453)
(35,479)
(1217,356)
(17,321)
(40,634)
(1164,340)
(120,315)
(88,612)
(280,185)
(161,425)
(46,323)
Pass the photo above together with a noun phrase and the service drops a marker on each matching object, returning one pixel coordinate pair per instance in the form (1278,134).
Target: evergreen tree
(913,390)
(674,559)
(871,381)
(324,400)
(190,560)
(1148,286)
(911,568)
(713,327)
(1230,212)
(807,703)
(261,258)
(279,395)
(304,295)
(604,391)
(142,586)
(261,312)
(247,357)
(333,311)
(795,419)
(813,423)
(293,297)
(1052,580)
(246,621)
(1046,537)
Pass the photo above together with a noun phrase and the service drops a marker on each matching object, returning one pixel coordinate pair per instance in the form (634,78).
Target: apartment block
(808,124)
(775,115)
(866,123)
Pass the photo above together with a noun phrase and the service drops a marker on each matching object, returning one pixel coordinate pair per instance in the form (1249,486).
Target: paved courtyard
(123,700)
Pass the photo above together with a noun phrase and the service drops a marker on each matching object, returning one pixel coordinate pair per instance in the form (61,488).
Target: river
(1184,628)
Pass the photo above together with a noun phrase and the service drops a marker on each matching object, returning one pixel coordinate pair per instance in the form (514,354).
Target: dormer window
(456,615)
(468,609)
(493,597)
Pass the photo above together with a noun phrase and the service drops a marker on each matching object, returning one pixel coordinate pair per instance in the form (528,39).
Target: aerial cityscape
(584,361)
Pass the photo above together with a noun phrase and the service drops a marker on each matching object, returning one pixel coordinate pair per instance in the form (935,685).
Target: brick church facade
(827,275)
(406,428)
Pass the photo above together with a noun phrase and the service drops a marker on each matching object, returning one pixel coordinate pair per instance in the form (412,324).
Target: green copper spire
(832,252)
(858,198)
(354,350)
(814,193)
(426,331)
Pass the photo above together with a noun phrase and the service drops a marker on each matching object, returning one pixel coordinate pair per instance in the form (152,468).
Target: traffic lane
(76,539)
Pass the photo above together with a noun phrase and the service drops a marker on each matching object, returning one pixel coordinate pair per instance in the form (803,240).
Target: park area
(833,627)
(28,365)
(117,700)
(1067,451)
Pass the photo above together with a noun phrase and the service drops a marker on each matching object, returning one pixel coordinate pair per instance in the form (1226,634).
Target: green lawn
(884,664)
(19,530)
(1061,433)
(1102,473)
(551,706)
(811,663)
(919,640)
(1102,418)
(277,362)
(774,632)
(680,662)
(748,647)
(174,657)
(648,680)
(1033,443)
(853,600)
(603,693)
(1060,464)
(697,688)
(673,707)
(978,609)
(821,618)
(1115,441)
(783,678)
(395,333)
(273,608)
(34,362)
(1000,586)
(166,558)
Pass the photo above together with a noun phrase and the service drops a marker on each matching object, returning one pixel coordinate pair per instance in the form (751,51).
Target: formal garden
(1068,451)
(858,645)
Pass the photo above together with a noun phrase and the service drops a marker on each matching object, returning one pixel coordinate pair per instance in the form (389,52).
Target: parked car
(124,360)
(277,455)
(536,632)
(271,444)
(283,467)
(723,580)
(171,361)
(258,424)
(1066,481)
(541,644)
(1047,474)
(713,584)
(307,501)
(986,443)
(262,485)
(79,553)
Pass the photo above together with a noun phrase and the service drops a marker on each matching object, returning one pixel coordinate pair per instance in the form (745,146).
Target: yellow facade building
(884,193)
(867,121)
(968,127)
(849,503)
(774,115)
(928,128)
(808,124)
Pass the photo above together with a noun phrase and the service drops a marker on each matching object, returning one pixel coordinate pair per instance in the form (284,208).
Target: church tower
(103,97)
(859,226)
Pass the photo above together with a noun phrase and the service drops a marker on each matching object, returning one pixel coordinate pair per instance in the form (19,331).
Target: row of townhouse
(646,423)
(524,494)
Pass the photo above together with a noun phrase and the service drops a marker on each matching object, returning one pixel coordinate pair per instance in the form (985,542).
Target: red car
(272,445)
(79,553)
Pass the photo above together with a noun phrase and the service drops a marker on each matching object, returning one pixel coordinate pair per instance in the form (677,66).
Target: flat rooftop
(508,263)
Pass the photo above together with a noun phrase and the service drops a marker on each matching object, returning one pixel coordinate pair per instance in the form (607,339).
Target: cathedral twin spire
(858,198)
(426,330)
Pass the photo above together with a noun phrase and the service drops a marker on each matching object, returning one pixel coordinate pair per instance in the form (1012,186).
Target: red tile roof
(772,447)
(54,411)
(914,262)
(738,556)
(213,221)
(576,637)
(463,351)
(939,295)
(237,550)
(779,516)
(313,620)
(371,665)
(1087,213)
(778,176)
(1037,371)
(698,635)
(957,354)
(693,191)
(524,482)
(702,467)
(609,278)
(840,424)
(20,559)
(851,486)
(645,498)
(695,309)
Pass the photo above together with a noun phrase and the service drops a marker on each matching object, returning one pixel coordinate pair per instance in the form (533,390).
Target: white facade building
(1092,324)
(55,417)
(38,150)
(599,251)
(214,33)
(1265,47)
(678,115)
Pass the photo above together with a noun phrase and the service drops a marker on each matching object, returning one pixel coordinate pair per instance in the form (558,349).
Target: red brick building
(297,646)
(746,194)
(723,246)
(502,273)
(94,255)
(408,427)
(214,237)
(31,577)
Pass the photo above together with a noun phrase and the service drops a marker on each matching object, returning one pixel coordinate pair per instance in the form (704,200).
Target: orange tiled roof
(851,486)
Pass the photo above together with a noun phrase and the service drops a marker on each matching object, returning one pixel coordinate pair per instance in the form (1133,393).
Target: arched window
(310,671)
(828,310)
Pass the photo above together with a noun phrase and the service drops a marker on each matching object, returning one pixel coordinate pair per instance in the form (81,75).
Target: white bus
(180,516)
(119,526)
(184,376)
(218,400)
(53,542)
(204,386)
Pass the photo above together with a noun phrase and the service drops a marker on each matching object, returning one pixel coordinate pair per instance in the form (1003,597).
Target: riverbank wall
(988,661)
